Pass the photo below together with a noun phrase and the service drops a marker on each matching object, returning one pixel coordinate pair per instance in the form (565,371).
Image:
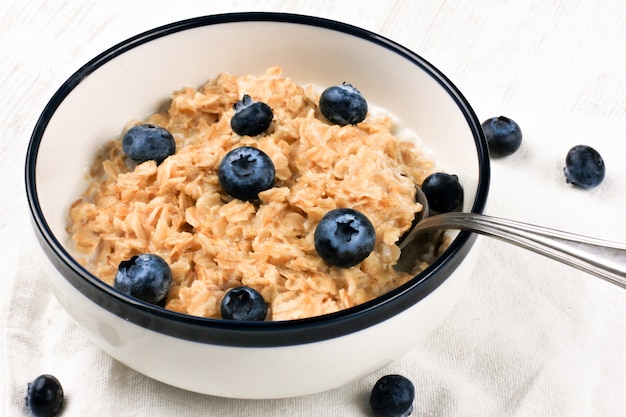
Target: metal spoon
(604,259)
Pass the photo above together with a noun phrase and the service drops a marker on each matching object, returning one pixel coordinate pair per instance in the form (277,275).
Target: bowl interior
(137,82)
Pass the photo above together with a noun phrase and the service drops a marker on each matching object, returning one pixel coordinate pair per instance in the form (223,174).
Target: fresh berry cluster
(584,167)
(343,238)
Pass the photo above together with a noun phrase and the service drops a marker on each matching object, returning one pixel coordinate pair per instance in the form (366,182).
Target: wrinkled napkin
(529,337)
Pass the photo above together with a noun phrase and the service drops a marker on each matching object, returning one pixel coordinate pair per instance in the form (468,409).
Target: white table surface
(530,337)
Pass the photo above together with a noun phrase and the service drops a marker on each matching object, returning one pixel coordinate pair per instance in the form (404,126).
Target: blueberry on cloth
(584,167)
(244,304)
(148,142)
(344,237)
(392,396)
(443,192)
(503,136)
(246,171)
(343,104)
(251,117)
(45,396)
(147,277)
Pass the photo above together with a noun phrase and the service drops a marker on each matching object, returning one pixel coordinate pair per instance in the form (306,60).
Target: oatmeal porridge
(213,242)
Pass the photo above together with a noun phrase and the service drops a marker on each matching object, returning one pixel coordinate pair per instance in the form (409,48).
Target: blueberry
(443,192)
(45,396)
(251,117)
(243,303)
(344,237)
(343,104)
(503,135)
(147,142)
(147,277)
(245,172)
(392,396)
(584,167)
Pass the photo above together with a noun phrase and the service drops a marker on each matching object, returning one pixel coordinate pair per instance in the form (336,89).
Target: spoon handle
(604,259)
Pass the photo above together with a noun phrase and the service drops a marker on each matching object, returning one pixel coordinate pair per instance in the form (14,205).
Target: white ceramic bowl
(235,359)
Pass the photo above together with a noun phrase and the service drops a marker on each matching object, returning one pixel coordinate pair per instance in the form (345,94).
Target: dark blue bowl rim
(242,334)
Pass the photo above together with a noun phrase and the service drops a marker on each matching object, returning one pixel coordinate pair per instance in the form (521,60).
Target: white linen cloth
(530,337)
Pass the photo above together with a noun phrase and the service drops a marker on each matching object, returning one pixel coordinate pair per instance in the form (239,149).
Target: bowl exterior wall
(259,373)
